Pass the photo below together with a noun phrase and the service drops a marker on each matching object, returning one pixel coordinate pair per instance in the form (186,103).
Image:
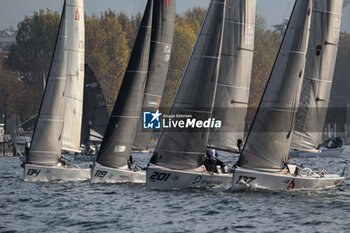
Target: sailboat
(177,161)
(95,112)
(317,84)
(95,116)
(263,162)
(114,162)
(44,159)
(232,94)
(163,25)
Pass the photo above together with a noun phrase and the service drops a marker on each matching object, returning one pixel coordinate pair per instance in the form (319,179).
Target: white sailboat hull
(250,179)
(335,152)
(34,172)
(102,174)
(161,178)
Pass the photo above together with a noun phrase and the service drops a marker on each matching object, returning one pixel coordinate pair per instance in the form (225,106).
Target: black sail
(184,148)
(268,142)
(232,94)
(95,113)
(121,129)
(163,23)
(47,137)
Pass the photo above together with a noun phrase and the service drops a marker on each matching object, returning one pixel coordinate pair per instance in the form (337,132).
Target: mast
(268,142)
(184,148)
(317,84)
(95,113)
(120,133)
(232,95)
(46,141)
(163,24)
(74,92)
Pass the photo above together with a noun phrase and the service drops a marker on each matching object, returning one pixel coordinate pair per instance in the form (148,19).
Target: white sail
(46,143)
(317,84)
(75,75)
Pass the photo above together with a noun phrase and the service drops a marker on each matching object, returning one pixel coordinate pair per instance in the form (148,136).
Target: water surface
(80,206)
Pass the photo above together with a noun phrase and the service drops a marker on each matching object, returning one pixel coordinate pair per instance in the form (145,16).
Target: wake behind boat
(44,161)
(263,162)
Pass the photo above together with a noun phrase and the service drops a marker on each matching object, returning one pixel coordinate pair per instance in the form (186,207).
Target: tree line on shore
(109,41)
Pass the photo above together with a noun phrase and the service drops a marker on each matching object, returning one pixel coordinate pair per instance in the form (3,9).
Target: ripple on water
(81,206)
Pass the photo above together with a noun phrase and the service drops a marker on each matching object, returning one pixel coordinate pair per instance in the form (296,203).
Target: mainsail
(120,133)
(317,84)
(46,142)
(161,42)
(232,94)
(268,142)
(75,75)
(184,148)
(95,113)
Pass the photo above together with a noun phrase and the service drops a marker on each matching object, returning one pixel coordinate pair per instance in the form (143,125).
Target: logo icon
(197,180)
(151,120)
(77,15)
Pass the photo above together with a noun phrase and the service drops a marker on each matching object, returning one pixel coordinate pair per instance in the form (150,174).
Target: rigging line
(285,11)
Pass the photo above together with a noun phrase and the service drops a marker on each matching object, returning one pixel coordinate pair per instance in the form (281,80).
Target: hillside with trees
(109,40)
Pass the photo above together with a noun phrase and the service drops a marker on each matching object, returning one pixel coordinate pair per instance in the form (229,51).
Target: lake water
(82,207)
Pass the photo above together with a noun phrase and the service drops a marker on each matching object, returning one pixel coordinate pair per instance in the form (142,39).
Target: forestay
(95,113)
(184,148)
(268,142)
(232,95)
(120,133)
(75,75)
(46,142)
(163,23)
(317,84)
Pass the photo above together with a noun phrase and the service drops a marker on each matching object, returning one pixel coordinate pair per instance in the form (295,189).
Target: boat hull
(161,178)
(251,179)
(34,172)
(336,152)
(102,174)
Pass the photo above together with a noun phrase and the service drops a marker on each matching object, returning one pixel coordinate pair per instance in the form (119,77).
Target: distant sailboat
(177,162)
(163,24)
(43,161)
(263,162)
(95,112)
(232,94)
(114,162)
(317,84)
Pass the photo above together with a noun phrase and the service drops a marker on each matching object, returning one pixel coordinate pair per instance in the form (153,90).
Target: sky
(13,11)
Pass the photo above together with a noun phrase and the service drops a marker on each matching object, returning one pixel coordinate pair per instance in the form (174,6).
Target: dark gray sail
(316,89)
(163,24)
(268,142)
(232,94)
(47,137)
(95,113)
(184,148)
(121,129)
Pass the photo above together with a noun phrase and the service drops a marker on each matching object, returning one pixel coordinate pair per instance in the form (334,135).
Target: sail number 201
(161,176)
